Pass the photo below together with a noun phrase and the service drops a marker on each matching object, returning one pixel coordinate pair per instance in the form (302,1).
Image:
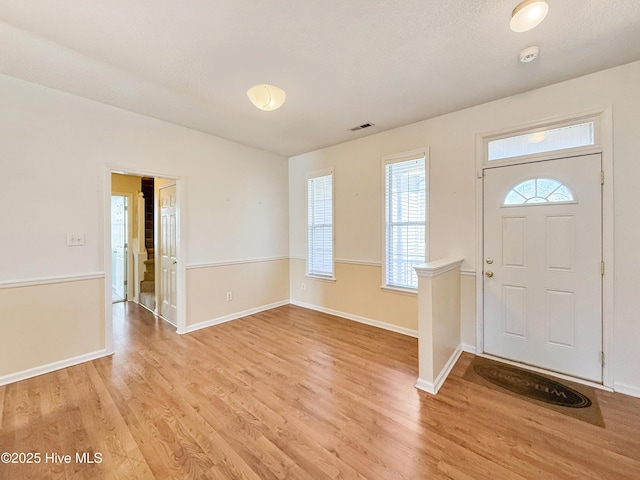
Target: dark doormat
(569,398)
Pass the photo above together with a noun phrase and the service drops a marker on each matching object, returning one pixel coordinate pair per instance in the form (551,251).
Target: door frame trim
(181,185)
(130,290)
(157,242)
(605,148)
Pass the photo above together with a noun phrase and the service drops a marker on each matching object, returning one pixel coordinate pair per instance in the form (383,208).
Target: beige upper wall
(159,182)
(452,212)
(358,191)
(128,184)
(125,183)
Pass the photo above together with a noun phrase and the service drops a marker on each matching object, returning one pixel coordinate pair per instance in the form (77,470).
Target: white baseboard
(51,367)
(626,389)
(469,348)
(233,316)
(426,386)
(433,387)
(356,318)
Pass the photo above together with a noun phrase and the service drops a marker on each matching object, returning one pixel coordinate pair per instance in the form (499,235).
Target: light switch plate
(75,239)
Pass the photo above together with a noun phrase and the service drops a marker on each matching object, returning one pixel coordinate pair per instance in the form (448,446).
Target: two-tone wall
(244,215)
(56,151)
(453,229)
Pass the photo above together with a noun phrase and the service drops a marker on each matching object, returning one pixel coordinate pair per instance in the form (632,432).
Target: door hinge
(602,358)
(601,178)
(601,268)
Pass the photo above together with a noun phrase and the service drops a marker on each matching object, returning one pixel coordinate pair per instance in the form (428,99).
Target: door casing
(603,146)
(181,247)
(163,284)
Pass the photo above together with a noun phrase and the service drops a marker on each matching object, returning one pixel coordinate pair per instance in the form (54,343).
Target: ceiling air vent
(360,127)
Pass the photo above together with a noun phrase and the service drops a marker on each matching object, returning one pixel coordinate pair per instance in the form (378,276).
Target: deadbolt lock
(489,260)
(489,273)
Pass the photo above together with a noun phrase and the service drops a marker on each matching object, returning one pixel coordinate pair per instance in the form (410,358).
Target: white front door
(168,253)
(542,265)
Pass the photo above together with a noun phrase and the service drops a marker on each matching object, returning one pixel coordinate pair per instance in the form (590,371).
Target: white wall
(452,142)
(54,149)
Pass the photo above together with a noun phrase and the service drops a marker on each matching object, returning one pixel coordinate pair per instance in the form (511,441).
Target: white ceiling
(342,63)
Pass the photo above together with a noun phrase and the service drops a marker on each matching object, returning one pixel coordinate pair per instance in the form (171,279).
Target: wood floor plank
(294,394)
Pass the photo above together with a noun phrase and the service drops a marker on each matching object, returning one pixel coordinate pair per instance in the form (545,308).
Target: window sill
(320,277)
(403,291)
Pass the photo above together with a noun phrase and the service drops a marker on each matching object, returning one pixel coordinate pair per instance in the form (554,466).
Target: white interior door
(543,265)
(119,248)
(168,253)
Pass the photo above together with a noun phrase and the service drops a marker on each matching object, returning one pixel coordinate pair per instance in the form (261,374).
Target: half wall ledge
(439,342)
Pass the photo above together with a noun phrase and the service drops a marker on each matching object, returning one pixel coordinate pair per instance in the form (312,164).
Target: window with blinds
(405,218)
(320,224)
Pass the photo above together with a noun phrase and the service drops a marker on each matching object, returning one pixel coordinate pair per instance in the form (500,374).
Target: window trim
(397,158)
(310,175)
(549,124)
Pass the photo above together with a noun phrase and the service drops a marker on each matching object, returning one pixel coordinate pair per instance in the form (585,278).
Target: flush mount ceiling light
(266,97)
(528,14)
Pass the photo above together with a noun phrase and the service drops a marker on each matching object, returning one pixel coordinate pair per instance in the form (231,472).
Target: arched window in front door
(538,191)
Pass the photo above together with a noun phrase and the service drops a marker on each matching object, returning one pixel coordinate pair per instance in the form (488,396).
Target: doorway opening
(524,188)
(133,240)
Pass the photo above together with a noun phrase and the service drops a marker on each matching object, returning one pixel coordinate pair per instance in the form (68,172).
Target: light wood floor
(291,393)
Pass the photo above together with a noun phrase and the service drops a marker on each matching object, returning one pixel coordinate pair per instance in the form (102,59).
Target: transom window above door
(538,191)
(565,137)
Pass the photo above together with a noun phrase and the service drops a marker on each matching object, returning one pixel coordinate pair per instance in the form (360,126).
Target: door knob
(175,261)
(489,273)
(489,260)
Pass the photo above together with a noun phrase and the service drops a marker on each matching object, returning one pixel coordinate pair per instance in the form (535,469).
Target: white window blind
(320,225)
(405,216)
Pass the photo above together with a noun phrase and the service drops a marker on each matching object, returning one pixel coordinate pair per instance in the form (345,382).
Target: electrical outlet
(303,286)
(75,239)
(229,296)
